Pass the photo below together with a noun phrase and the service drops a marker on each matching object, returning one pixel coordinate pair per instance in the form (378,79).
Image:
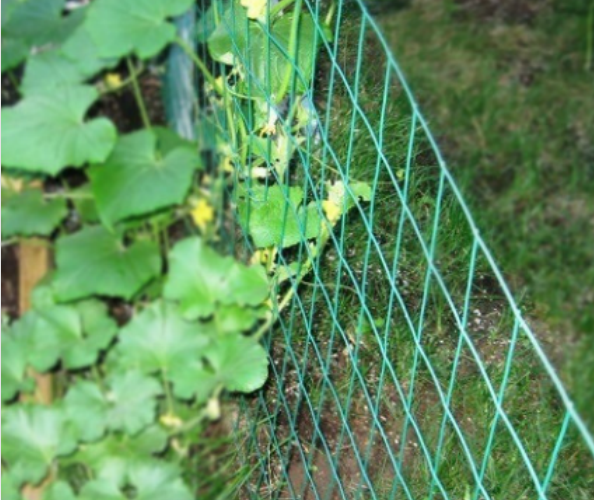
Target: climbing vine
(129,394)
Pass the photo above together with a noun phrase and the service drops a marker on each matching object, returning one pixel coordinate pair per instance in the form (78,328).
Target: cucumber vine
(128,395)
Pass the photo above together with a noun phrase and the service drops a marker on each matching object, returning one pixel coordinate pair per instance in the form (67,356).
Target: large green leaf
(86,408)
(120,27)
(138,179)
(94,261)
(235,362)
(128,405)
(110,458)
(60,490)
(159,338)
(158,480)
(98,489)
(27,213)
(265,56)
(53,120)
(28,23)
(49,70)
(76,334)
(81,49)
(14,51)
(201,279)
(235,319)
(230,37)
(72,62)
(14,362)
(10,490)
(274,215)
(32,437)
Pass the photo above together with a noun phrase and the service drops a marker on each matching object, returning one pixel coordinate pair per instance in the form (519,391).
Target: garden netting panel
(401,367)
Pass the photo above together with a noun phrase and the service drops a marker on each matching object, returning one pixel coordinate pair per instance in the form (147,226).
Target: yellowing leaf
(202,214)
(332,210)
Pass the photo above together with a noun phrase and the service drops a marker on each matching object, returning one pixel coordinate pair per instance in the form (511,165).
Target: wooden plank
(34,263)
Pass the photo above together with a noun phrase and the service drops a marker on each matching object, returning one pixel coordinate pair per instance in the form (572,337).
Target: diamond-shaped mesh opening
(401,367)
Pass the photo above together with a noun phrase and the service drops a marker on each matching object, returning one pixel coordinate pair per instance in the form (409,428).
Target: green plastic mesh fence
(401,367)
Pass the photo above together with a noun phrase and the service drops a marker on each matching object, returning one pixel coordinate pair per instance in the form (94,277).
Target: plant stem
(330,14)
(14,81)
(291,291)
(98,378)
(292,63)
(280,6)
(138,95)
(168,395)
(200,65)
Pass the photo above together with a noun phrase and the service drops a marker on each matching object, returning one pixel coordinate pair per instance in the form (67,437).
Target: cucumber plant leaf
(159,338)
(85,205)
(76,334)
(27,214)
(60,490)
(28,23)
(120,27)
(14,51)
(10,488)
(14,364)
(98,489)
(156,480)
(83,52)
(200,280)
(235,362)
(128,405)
(264,55)
(32,437)
(138,179)
(111,457)
(53,120)
(230,37)
(275,216)
(49,70)
(96,262)
(235,319)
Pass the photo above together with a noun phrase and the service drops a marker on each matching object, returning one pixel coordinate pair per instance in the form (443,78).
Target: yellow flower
(202,214)
(113,80)
(255,8)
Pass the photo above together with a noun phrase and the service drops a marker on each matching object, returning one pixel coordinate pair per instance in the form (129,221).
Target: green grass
(511,104)
(513,149)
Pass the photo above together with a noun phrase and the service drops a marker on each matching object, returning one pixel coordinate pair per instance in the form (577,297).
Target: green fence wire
(402,367)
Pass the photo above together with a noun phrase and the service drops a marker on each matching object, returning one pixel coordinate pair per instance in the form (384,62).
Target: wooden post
(34,263)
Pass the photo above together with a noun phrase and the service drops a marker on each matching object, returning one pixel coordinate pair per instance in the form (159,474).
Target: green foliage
(275,215)
(119,27)
(53,121)
(29,23)
(158,339)
(138,178)
(131,394)
(263,52)
(203,281)
(32,437)
(14,366)
(97,262)
(74,334)
(127,403)
(28,214)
